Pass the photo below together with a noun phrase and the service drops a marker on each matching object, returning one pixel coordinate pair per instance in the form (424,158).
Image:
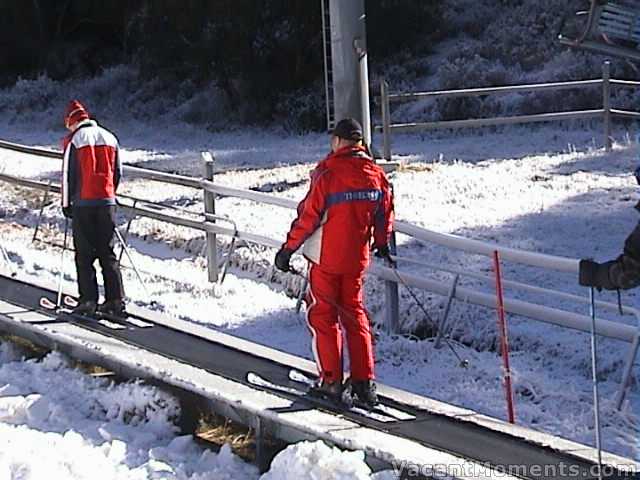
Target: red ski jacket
(349,202)
(91,168)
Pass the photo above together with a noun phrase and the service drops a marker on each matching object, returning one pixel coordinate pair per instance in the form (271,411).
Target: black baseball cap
(349,129)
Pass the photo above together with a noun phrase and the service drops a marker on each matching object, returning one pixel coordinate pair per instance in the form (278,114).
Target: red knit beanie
(75,113)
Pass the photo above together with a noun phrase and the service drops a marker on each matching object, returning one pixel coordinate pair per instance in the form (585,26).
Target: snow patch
(317,461)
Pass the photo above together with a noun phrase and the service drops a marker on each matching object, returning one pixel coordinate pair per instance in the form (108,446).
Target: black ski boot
(87,308)
(364,393)
(113,308)
(331,391)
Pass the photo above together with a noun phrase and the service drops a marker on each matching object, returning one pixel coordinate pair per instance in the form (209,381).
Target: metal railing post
(386,120)
(606,103)
(392,299)
(210,208)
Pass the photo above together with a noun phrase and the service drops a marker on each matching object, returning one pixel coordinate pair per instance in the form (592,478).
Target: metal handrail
(519,285)
(507,89)
(493,122)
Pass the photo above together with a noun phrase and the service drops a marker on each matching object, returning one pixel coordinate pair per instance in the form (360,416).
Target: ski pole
(504,339)
(464,363)
(594,374)
(61,272)
(133,265)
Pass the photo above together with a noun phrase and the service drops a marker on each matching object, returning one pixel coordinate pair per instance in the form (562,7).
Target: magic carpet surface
(464,439)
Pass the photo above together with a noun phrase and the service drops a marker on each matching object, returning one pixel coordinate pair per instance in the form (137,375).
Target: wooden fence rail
(606,112)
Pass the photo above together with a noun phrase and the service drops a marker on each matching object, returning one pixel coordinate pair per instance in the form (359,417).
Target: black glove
(67,212)
(283,257)
(384,253)
(594,274)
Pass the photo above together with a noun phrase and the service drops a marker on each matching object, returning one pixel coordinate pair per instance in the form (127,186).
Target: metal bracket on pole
(223,266)
(628,369)
(210,208)
(443,323)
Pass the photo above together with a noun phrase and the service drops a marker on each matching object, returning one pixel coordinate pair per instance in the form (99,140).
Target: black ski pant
(93,239)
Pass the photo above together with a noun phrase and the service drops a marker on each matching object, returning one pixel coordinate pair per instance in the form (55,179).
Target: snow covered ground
(82,427)
(545,189)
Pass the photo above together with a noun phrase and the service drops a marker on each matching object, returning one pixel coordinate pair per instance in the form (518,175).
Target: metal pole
(132,216)
(504,340)
(347,22)
(61,272)
(45,197)
(386,120)
(445,316)
(210,208)
(594,374)
(392,299)
(133,265)
(364,90)
(328,63)
(606,103)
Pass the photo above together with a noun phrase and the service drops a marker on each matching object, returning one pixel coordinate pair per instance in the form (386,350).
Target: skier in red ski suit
(91,172)
(349,202)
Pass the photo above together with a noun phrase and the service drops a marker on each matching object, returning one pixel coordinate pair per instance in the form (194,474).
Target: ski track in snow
(530,189)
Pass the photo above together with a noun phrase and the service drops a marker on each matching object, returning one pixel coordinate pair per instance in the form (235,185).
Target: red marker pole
(504,339)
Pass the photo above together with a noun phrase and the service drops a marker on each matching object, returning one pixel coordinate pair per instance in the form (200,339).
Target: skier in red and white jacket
(91,172)
(349,203)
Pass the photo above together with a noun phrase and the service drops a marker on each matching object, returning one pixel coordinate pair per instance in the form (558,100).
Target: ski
(301,377)
(303,393)
(72,303)
(110,321)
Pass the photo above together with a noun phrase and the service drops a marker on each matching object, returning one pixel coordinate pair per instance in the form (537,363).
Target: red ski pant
(335,300)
